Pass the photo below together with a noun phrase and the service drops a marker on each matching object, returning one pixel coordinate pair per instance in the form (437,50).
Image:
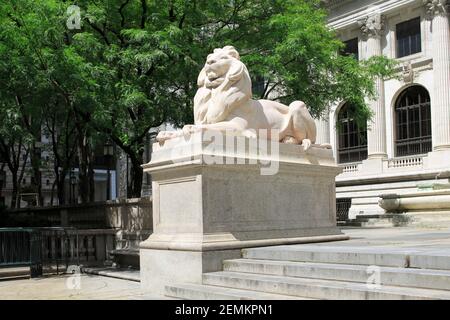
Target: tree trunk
(37,183)
(137,174)
(61,187)
(91,174)
(83,185)
(1,182)
(15,190)
(52,197)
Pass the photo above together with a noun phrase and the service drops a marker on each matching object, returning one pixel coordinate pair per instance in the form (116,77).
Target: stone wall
(130,218)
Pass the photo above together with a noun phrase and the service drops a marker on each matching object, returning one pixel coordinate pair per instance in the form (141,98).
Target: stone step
(391,276)
(204,292)
(318,288)
(378,256)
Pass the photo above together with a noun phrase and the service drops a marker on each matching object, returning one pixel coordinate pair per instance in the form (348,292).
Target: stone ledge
(232,245)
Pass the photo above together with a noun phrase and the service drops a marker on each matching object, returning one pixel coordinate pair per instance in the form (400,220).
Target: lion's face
(224,84)
(217,65)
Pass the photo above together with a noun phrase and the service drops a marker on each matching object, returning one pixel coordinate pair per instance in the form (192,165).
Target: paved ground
(420,239)
(101,287)
(66,287)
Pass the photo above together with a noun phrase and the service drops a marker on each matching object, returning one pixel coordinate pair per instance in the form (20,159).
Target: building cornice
(331,4)
(351,18)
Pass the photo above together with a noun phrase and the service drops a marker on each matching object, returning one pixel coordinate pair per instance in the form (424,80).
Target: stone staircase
(326,272)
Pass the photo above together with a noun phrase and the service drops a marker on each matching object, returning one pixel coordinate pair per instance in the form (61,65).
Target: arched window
(352,139)
(413,122)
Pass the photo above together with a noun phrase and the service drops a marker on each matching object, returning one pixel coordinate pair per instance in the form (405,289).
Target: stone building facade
(407,142)
(28,196)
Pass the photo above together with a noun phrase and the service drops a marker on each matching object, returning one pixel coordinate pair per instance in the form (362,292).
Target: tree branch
(144,13)
(122,6)
(100,31)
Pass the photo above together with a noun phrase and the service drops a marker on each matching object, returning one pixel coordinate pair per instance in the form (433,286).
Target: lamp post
(73,182)
(108,151)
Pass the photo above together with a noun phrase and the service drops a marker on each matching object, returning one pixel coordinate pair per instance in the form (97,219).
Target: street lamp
(108,151)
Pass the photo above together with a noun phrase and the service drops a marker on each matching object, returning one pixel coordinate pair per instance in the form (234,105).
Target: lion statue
(224,102)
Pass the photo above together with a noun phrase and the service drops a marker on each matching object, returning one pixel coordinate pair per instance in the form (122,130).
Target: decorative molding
(331,4)
(436,7)
(373,26)
(408,72)
(362,9)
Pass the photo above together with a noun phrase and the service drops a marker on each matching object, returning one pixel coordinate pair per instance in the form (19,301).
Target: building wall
(365,181)
(47,180)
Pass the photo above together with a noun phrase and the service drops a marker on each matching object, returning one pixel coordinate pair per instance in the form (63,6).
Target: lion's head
(224,83)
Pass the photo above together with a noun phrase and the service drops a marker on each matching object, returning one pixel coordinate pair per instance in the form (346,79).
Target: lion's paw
(190,129)
(289,140)
(166,135)
(306,143)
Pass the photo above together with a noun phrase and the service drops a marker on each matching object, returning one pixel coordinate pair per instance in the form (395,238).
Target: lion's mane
(212,105)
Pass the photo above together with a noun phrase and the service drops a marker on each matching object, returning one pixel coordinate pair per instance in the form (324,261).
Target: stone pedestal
(216,195)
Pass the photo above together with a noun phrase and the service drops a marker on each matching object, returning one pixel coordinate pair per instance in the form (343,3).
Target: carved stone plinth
(212,198)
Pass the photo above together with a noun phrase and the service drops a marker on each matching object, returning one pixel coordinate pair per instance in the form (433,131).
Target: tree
(133,64)
(39,86)
(14,149)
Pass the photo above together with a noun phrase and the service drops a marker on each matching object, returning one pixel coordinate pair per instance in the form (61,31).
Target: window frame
(424,141)
(360,148)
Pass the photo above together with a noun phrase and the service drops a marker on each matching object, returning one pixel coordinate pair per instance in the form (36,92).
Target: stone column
(438,12)
(323,130)
(372,29)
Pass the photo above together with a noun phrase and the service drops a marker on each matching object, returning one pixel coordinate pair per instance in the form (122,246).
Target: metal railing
(413,146)
(342,208)
(36,247)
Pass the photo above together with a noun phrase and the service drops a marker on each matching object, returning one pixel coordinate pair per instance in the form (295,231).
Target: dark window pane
(351,48)
(352,139)
(408,38)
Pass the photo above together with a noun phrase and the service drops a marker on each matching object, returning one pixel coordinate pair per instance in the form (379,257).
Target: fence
(53,249)
(129,214)
(21,247)
(342,208)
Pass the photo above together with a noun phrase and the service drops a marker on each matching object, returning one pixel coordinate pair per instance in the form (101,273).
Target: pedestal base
(205,211)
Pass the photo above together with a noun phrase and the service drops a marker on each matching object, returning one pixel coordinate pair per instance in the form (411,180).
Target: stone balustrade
(350,167)
(114,227)
(416,161)
(404,164)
